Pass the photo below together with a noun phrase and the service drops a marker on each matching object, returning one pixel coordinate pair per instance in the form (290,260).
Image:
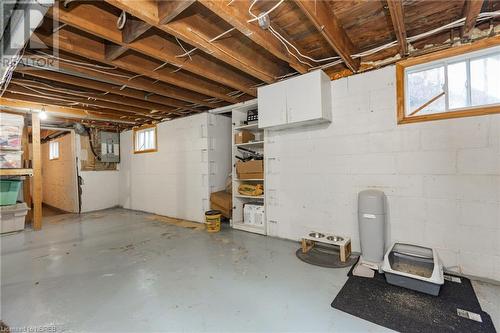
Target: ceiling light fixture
(43,114)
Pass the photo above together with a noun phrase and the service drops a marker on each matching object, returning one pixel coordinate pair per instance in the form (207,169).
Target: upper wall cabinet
(302,100)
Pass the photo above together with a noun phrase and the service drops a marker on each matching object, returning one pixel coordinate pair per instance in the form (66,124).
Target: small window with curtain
(145,139)
(449,84)
(53,150)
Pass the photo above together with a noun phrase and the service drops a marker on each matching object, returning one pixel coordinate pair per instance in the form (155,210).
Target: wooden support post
(27,180)
(37,172)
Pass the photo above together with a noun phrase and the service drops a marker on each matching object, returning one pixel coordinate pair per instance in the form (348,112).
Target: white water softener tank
(371,217)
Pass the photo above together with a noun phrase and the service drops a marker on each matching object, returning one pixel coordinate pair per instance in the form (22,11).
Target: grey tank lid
(371,201)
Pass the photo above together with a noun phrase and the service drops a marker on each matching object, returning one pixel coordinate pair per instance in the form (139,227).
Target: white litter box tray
(413,267)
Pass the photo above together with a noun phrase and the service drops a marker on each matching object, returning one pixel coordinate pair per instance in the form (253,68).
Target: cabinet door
(272,105)
(303,98)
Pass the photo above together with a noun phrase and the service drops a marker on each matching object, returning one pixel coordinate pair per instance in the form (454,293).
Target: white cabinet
(273,99)
(305,99)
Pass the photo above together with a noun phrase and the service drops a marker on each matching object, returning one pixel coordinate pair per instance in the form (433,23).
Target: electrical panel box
(110,147)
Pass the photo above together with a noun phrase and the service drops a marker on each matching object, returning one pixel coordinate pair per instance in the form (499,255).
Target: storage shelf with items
(248,170)
(12,172)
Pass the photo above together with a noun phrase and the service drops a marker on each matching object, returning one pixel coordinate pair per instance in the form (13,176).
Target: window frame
(51,143)
(144,127)
(449,56)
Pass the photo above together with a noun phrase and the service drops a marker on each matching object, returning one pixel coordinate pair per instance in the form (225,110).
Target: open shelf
(260,197)
(249,180)
(248,144)
(16,172)
(250,228)
(254,126)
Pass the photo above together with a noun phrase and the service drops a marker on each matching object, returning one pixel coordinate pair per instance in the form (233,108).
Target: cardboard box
(222,201)
(243,136)
(250,170)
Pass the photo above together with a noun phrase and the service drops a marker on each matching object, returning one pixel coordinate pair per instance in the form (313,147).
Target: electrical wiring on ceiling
(9,71)
(286,43)
(65,99)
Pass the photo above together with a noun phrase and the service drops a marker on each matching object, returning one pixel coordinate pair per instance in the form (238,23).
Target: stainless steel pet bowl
(335,238)
(316,235)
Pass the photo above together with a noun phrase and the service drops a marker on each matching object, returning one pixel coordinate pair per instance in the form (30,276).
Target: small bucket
(212,222)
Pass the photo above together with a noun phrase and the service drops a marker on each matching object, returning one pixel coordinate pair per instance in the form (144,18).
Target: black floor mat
(406,310)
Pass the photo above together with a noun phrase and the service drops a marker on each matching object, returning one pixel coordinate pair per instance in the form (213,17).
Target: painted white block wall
(175,181)
(442,178)
(100,189)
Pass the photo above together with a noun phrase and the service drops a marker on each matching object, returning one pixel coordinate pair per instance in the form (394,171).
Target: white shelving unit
(239,114)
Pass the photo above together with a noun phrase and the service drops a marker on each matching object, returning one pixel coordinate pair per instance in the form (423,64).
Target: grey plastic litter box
(413,267)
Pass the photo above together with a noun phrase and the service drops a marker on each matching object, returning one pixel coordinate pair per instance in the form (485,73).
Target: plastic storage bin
(11,130)
(11,159)
(414,267)
(9,191)
(12,217)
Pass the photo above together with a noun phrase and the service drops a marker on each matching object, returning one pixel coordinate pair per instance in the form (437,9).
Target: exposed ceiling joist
(134,29)
(170,9)
(235,13)
(472,8)
(201,34)
(322,17)
(65,112)
(398,23)
(82,18)
(110,92)
(113,52)
(38,98)
(34,88)
(85,47)
(153,92)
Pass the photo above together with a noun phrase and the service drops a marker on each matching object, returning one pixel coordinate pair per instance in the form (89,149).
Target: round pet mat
(324,256)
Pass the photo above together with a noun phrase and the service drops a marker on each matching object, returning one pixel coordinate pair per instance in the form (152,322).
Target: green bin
(9,191)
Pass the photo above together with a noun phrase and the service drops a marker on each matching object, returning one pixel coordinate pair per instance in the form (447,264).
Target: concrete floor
(117,270)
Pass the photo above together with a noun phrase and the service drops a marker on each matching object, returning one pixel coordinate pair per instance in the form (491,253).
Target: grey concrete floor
(118,271)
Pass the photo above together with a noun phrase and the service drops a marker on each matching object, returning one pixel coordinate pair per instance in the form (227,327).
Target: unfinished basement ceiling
(176,58)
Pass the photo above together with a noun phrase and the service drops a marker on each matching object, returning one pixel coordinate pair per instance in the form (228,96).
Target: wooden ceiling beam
(62,111)
(83,16)
(200,33)
(184,87)
(125,96)
(147,90)
(113,52)
(170,9)
(398,23)
(85,47)
(133,29)
(31,88)
(329,26)
(236,14)
(104,107)
(471,10)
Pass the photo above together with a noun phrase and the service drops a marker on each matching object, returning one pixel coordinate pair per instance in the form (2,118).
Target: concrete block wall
(442,178)
(100,189)
(175,181)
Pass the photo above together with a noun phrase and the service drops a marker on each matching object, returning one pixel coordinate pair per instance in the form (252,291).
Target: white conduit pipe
(263,14)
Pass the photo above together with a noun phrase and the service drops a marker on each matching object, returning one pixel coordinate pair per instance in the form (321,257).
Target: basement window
(449,84)
(53,150)
(145,139)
